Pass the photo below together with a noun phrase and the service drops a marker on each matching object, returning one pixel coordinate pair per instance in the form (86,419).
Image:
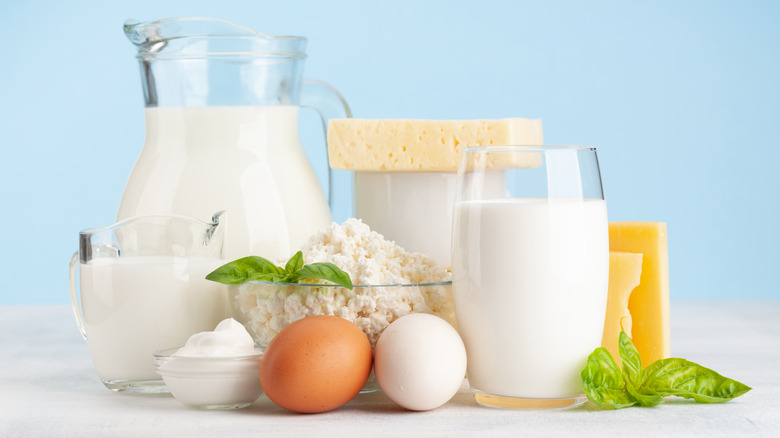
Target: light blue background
(681,98)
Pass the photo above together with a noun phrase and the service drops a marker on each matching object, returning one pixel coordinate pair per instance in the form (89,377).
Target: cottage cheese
(387,286)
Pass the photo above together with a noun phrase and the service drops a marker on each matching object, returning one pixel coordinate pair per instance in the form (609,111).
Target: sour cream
(214,370)
(229,339)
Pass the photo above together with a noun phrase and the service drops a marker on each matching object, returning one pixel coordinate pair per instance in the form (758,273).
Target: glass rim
(165,353)
(91,231)
(356,286)
(151,36)
(527,148)
(279,56)
(132,24)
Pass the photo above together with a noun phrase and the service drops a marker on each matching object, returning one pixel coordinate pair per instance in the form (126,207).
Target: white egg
(420,361)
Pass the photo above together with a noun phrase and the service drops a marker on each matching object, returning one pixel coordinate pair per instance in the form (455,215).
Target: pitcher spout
(203,36)
(215,231)
(182,59)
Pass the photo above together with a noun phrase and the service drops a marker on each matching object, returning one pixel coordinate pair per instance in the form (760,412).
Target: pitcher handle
(329,104)
(74,261)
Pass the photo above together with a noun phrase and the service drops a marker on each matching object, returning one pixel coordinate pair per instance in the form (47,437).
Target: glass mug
(142,288)
(530,271)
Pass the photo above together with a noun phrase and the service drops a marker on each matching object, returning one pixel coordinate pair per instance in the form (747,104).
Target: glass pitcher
(221,113)
(141,287)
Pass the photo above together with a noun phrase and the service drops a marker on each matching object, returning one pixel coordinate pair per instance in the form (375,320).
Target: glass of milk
(142,288)
(530,270)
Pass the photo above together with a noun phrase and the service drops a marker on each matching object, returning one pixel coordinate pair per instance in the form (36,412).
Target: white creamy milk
(530,284)
(136,305)
(246,160)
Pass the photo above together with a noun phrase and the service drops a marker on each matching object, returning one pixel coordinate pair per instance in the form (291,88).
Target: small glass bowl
(210,382)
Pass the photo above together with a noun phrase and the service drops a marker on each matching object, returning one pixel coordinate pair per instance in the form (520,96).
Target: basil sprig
(605,384)
(255,268)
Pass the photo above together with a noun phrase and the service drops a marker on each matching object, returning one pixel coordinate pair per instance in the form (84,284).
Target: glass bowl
(210,382)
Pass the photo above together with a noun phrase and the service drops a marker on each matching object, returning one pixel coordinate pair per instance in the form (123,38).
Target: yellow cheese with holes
(649,302)
(419,145)
(625,269)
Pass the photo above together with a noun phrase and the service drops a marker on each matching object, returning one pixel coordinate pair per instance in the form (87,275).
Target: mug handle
(74,261)
(329,104)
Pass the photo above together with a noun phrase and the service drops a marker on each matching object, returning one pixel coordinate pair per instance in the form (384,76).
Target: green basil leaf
(632,372)
(603,382)
(295,263)
(632,363)
(273,278)
(648,399)
(246,269)
(325,271)
(683,378)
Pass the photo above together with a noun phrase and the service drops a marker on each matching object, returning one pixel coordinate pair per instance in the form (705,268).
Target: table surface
(49,388)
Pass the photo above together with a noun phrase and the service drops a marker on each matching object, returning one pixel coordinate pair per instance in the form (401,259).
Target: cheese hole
(625,325)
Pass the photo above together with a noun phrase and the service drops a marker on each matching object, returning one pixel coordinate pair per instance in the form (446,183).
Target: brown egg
(316,364)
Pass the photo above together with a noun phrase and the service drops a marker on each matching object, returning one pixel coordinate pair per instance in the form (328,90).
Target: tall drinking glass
(530,265)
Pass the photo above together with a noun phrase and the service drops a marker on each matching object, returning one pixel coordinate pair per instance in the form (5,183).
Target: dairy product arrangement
(444,273)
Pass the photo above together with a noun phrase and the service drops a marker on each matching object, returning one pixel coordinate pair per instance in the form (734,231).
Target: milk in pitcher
(246,160)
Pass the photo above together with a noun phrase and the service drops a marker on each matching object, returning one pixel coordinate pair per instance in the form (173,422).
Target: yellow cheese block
(649,303)
(625,269)
(419,145)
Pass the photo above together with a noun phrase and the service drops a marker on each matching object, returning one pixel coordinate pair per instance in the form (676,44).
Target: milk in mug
(136,305)
(530,286)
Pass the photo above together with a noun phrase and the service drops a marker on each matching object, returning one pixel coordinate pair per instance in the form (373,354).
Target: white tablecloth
(48,388)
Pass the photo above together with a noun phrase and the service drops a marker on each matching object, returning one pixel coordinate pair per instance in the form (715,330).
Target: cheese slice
(419,145)
(625,269)
(649,303)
